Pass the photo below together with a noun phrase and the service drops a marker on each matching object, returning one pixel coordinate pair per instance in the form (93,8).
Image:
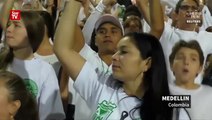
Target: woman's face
(16,35)
(127,62)
(4,102)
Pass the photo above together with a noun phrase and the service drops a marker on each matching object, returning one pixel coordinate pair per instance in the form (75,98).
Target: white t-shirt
(180,114)
(207,18)
(201,101)
(52,60)
(42,82)
(82,111)
(107,100)
(172,35)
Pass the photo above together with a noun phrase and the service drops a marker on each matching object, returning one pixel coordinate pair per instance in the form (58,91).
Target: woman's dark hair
(54,10)
(193,44)
(179,3)
(17,91)
(48,22)
(35,31)
(35,27)
(155,79)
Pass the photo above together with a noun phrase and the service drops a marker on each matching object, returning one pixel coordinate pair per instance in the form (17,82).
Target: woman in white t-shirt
(138,81)
(23,38)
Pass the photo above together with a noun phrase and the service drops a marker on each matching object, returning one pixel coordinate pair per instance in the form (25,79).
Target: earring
(11,117)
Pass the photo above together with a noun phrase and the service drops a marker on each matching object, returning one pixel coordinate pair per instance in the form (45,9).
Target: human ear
(172,69)
(95,41)
(96,44)
(171,66)
(200,70)
(14,107)
(148,63)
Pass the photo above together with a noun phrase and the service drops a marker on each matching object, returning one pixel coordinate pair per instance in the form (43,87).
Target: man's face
(132,24)
(107,37)
(189,15)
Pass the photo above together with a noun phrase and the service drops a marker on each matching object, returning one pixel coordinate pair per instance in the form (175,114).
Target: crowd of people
(105,59)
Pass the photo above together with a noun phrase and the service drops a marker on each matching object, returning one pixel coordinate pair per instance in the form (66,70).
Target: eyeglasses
(187,7)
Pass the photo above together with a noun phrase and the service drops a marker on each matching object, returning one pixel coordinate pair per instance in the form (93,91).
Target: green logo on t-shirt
(31,87)
(104,110)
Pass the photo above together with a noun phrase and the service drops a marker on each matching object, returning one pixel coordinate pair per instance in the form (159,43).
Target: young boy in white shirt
(186,61)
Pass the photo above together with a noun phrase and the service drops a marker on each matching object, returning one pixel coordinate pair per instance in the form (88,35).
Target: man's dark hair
(132,10)
(126,3)
(193,44)
(178,5)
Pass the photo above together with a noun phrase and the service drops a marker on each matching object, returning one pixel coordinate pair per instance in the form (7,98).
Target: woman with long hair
(23,37)
(136,85)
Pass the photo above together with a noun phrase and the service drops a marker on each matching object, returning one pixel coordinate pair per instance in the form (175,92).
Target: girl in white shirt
(23,38)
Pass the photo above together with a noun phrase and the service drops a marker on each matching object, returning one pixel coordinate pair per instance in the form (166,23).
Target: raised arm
(14,4)
(154,14)
(65,40)
(89,24)
(143,6)
(156,18)
(5,12)
(95,15)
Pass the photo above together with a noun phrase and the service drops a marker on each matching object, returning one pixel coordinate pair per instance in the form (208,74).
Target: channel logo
(177,101)
(15,15)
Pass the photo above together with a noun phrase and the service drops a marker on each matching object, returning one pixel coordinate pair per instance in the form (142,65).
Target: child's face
(186,65)
(16,35)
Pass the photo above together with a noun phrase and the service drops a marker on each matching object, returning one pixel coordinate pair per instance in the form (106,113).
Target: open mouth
(185,70)
(107,41)
(9,37)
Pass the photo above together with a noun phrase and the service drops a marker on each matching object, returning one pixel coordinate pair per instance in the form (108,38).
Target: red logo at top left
(15,15)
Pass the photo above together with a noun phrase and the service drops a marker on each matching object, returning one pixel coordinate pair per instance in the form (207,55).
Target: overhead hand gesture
(109,4)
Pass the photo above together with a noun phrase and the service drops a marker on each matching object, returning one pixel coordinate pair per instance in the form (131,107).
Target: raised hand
(31,5)
(109,4)
(140,2)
